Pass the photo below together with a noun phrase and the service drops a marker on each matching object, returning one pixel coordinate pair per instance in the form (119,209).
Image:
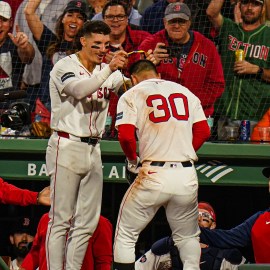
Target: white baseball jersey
(84,118)
(149,107)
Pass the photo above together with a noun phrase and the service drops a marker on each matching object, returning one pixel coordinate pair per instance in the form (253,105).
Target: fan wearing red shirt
(97,257)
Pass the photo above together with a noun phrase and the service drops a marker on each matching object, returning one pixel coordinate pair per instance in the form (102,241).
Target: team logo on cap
(26,222)
(78,4)
(176,8)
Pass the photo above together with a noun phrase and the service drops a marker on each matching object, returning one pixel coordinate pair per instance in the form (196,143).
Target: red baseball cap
(208,207)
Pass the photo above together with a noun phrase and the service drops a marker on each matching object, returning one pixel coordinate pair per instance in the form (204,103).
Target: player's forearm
(126,136)
(80,89)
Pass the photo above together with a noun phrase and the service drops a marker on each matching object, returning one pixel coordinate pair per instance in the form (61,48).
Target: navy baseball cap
(77,5)
(24,225)
(177,11)
(266,172)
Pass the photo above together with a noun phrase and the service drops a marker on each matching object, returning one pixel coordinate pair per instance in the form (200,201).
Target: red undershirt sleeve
(201,133)
(127,139)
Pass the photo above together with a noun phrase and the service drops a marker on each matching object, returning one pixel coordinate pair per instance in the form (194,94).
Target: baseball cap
(266,172)
(247,1)
(5,10)
(177,10)
(208,207)
(77,5)
(24,225)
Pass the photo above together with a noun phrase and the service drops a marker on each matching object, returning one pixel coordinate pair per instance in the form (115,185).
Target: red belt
(88,140)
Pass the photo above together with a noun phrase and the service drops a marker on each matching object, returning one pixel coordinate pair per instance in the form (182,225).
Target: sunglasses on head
(206,215)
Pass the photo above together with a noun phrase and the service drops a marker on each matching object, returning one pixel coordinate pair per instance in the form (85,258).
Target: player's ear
(11,239)
(134,79)
(213,225)
(83,41)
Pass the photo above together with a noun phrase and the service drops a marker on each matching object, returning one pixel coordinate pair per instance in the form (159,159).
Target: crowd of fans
(197,51)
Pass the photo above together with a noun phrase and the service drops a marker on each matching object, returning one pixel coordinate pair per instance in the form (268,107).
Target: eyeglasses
(206,215)
(181,22)
(117,17)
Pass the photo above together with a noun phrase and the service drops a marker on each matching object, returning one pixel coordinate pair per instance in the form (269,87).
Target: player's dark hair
(142,65)
(114,3)
(95,27)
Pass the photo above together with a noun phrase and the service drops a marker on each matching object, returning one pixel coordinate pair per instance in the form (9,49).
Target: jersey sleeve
(117,80)
(126,109)
(198,113)
(10,194)
(63,72)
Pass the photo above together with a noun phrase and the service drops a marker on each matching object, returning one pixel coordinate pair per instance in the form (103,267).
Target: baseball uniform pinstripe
(75,167)
(163,113)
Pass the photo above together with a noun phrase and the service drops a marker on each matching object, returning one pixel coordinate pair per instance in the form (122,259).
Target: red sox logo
(78,4)
(26,222)
(177,8)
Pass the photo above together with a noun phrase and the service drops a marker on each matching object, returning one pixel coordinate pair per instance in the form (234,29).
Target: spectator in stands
(134,17)
(152,19)
(98,255)
(54,47)
(15,51)
(264,122)
(247,94)
(164,255)
(10,194)
(255,230)
(21,238)
(188,58)
(48,12)
(95,7)
(122,37)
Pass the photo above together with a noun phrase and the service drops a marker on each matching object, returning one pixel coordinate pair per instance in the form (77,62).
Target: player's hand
(132,169)
(244,67)
(160,53)
(109,56)
(150,56)
(44,197)
(20,39)
(119,60)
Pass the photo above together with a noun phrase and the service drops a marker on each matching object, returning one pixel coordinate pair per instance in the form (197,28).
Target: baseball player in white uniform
(80,88)
(170,125)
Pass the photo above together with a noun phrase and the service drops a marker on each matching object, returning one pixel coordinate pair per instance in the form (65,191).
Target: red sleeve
(102,245)
(10,194)
(201,132)
(37,254)
(127,139)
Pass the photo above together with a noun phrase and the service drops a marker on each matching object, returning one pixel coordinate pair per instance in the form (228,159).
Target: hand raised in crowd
(244,67)
(119,60)
(44,196)
(20,39)
(160,52)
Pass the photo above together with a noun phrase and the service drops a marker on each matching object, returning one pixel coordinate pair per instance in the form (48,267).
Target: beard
(250,21)
(21,251)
